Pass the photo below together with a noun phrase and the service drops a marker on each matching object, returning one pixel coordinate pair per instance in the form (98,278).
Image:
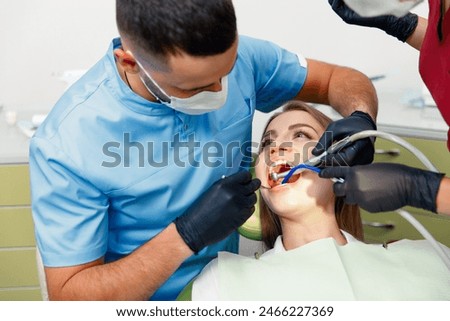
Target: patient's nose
(280,150)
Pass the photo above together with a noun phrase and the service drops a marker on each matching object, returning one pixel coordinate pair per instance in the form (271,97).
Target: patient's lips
(280,166)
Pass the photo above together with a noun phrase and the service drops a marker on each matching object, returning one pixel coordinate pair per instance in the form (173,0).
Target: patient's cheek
(322,188)
(260,167)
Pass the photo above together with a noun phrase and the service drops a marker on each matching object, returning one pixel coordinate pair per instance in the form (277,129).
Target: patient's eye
(266,142)
(302,134)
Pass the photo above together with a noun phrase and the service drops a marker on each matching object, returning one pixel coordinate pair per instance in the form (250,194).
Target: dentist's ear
(126,60)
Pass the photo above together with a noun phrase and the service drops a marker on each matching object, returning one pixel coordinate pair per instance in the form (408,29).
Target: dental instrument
(312,162)
(300,166)
(350,139)
(297,169)
(377,77)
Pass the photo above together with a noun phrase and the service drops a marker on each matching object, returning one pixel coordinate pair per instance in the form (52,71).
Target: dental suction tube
(374,133)
(422,230)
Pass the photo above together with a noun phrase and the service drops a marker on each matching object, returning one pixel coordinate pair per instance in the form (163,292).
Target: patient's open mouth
(281,166)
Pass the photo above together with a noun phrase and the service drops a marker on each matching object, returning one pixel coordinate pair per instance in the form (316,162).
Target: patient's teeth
(278,162)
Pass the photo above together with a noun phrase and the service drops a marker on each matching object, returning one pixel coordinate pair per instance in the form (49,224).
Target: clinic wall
(40,39)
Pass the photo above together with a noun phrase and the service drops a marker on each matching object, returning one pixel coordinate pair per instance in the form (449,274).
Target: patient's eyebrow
(294,126)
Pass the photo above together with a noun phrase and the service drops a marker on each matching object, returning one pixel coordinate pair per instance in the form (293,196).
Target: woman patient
(314,241)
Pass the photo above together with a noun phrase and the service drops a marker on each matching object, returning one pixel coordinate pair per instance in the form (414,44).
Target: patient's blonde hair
(348,217)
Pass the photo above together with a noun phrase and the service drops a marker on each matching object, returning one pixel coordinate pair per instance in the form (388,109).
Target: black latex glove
(401,28)
(381,187)
(358,153)
(225,206)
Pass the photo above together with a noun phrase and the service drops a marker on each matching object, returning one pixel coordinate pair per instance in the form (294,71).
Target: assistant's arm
(443,197)
(416,38)
(381,187)
(410,28)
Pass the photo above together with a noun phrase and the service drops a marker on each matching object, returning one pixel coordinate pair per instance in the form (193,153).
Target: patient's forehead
(291,117)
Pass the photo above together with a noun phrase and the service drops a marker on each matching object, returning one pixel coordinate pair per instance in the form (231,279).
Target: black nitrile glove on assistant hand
(225,206)
(381,187)
(399,27)
(358,153)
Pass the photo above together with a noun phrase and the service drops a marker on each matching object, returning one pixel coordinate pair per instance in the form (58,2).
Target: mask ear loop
(153,87)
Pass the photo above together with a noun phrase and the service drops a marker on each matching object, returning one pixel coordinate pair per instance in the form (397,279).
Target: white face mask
(373,8)
(200,103)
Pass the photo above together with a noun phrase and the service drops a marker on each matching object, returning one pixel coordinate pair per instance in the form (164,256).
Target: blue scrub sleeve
(279,74)
(69,213)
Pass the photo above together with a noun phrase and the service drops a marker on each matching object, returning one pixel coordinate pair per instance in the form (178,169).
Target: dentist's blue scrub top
(110,170)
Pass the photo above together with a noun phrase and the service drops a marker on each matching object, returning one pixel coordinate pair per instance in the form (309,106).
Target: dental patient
(315,248)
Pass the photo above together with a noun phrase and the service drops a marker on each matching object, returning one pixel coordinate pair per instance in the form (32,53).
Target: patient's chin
(282,204)
(300,199)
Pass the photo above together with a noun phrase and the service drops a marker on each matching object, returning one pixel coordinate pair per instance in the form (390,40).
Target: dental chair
(41,276)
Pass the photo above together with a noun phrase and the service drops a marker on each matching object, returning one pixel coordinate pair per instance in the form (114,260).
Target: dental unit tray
(311,164)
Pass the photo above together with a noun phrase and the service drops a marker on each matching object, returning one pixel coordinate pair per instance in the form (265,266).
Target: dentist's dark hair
(168,27)
(348,217)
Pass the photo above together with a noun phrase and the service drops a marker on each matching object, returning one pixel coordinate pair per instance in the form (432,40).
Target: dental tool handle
(339,145)
(299,170)
(316,160)
(331,150)
(312,162)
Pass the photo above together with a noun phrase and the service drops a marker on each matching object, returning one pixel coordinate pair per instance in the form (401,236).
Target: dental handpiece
(314,161)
